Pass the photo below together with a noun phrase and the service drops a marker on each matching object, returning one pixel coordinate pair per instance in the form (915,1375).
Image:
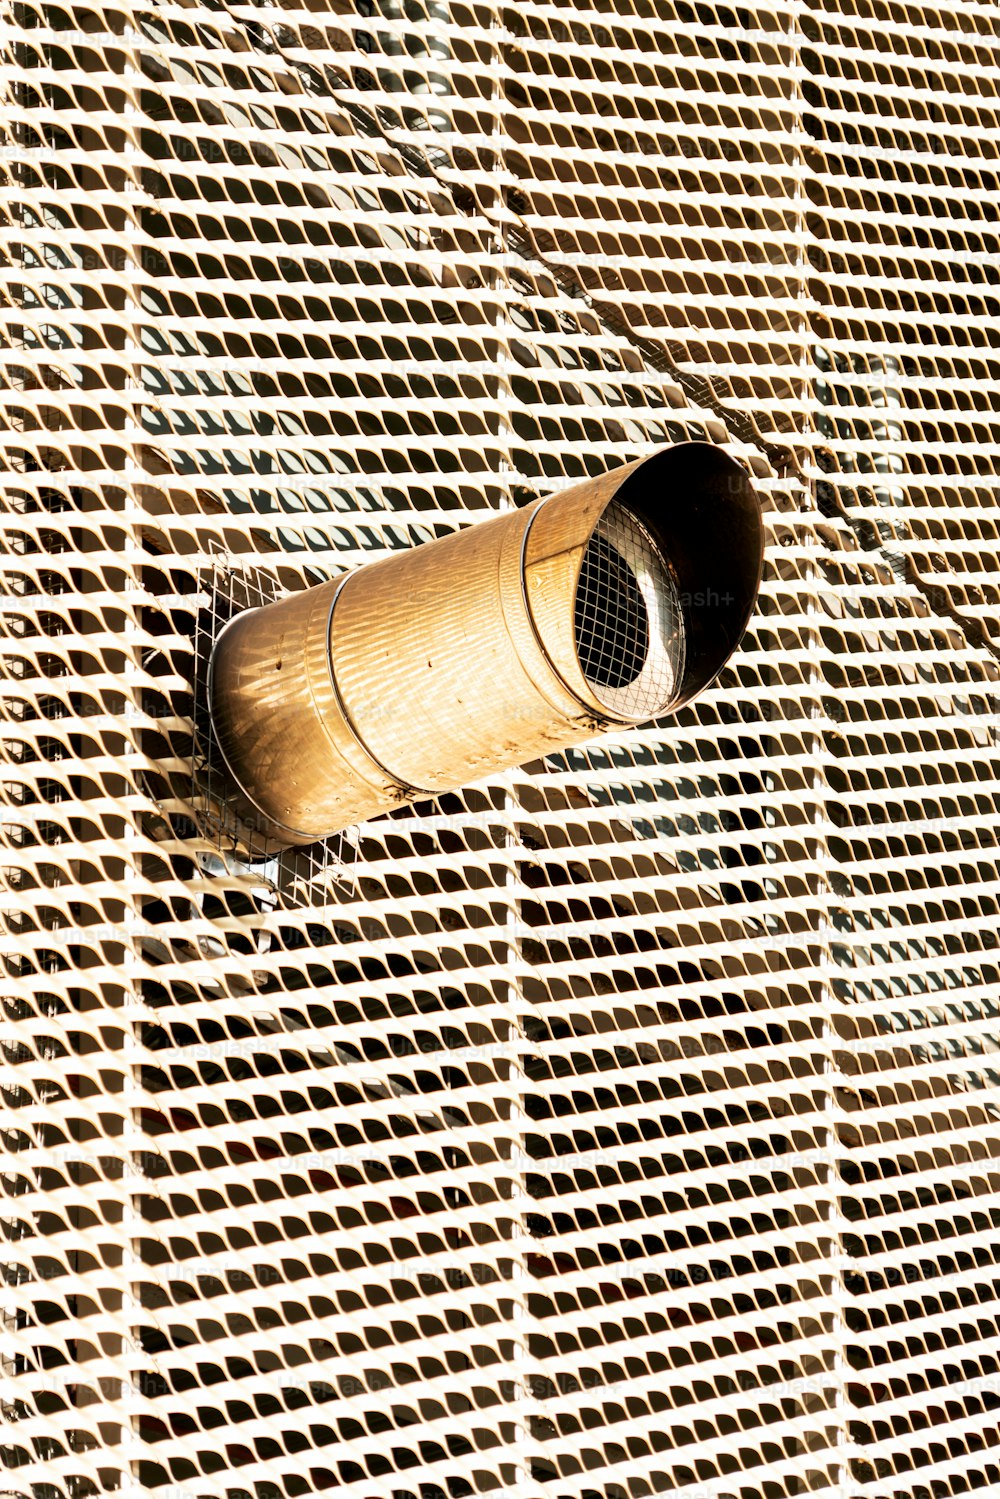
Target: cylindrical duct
(608,604)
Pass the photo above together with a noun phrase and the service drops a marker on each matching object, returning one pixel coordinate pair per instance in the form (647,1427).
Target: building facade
(625,1124)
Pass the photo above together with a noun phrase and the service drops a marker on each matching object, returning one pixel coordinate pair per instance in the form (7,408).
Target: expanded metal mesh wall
(624,1125)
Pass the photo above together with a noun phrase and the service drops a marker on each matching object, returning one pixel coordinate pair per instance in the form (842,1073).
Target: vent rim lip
(554,629)
(704,515)
(702,507)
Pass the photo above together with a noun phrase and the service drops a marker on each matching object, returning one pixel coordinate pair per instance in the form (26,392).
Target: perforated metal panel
(625,1125)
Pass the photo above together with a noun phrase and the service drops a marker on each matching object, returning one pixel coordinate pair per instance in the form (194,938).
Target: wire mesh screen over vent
(627,617)
(627,1124)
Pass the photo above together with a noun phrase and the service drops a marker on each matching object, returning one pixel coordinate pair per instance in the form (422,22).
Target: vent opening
(627,618)
(611,621)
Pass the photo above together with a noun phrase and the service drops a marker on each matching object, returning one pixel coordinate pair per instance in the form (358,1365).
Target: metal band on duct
(608,604)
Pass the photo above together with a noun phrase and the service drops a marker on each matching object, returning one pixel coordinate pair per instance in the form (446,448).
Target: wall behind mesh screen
(527,1156)
(910,474)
